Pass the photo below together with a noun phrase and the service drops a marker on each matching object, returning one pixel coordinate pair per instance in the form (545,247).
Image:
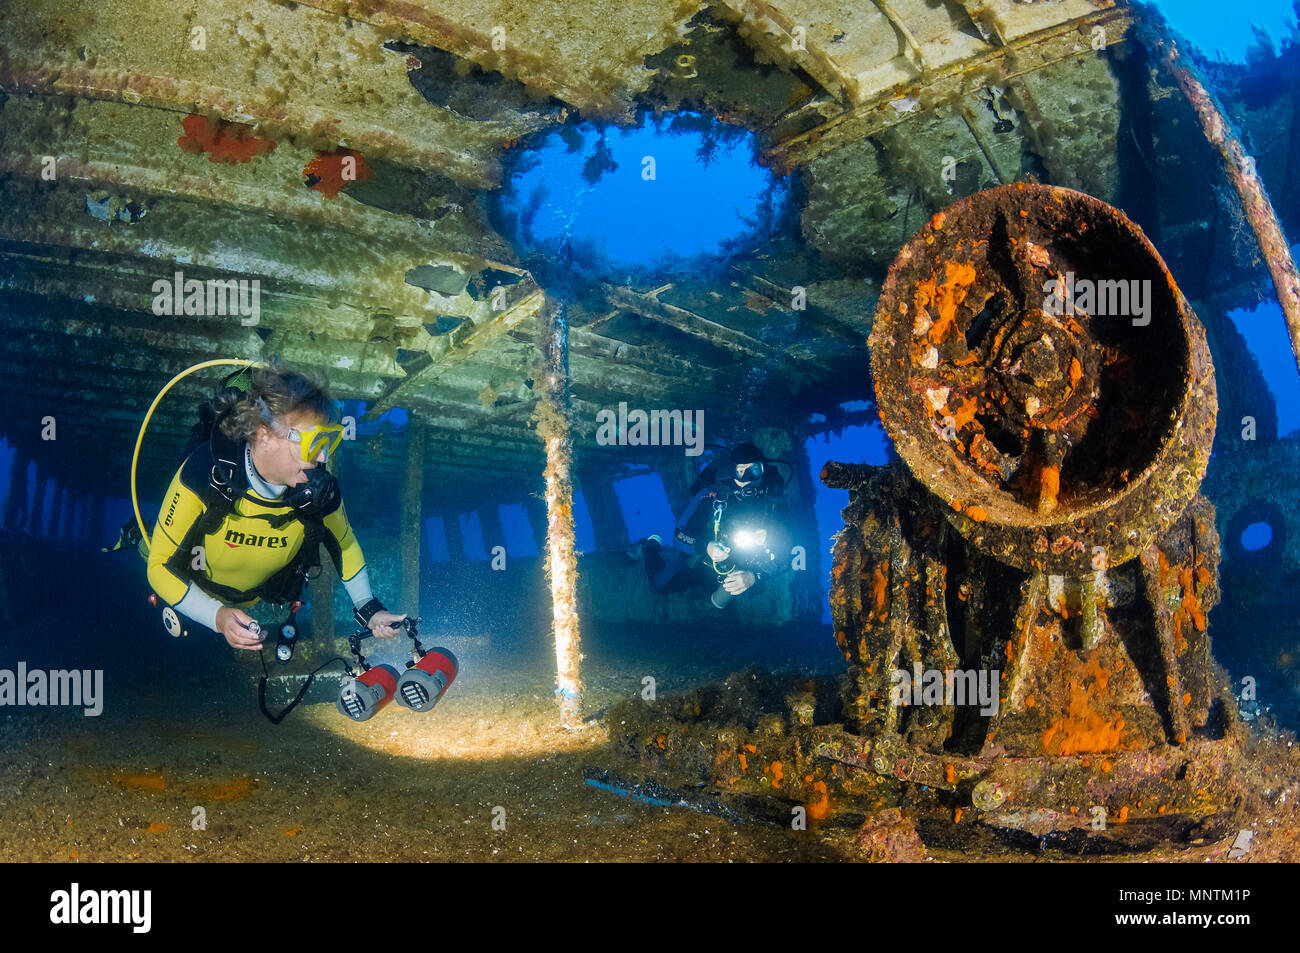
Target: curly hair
(283,391)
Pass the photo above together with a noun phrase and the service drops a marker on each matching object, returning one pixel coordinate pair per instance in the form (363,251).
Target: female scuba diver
(243,518)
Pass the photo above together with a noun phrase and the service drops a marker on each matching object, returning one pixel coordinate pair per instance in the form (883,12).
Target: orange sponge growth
(330,172)
(226,790)
(139,782)
(1084,729)
(222,141)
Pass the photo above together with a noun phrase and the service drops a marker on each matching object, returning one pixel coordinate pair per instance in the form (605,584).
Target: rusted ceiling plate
(294,72)
(591,55)
(135,150)
(1039,370)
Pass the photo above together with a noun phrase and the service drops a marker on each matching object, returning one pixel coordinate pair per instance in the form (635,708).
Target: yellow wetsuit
(243,552)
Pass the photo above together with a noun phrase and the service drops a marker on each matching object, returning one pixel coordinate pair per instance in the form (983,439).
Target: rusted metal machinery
(1039,564)
(1051,396)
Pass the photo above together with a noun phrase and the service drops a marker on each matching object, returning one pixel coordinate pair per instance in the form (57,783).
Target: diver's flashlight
(749,538)
(361,698)
(427,680)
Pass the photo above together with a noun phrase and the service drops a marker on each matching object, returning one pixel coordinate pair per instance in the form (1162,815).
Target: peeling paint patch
(331,172)
(222,140)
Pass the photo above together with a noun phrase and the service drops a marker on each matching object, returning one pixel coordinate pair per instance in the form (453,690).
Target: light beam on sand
(497,720)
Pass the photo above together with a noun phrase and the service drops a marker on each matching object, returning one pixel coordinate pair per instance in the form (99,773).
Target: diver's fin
(128,537)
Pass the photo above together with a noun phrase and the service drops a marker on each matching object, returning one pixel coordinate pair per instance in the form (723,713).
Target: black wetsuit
(687,565)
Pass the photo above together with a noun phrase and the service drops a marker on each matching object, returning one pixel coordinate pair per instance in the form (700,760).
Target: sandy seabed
(152,779)
(318,787)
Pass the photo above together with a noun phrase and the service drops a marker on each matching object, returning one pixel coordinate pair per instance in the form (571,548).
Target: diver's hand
(384,624)
(233,623)
(737,581)
(717,552)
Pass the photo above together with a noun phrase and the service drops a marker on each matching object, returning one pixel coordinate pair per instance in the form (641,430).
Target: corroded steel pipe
(556,428)
(1245,179)
(1041,373)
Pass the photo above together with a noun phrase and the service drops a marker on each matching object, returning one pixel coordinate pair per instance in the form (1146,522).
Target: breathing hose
(139,440)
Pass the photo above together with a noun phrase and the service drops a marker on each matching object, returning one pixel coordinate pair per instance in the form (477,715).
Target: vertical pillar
(677,474)
(78,530)
(321,593)
(56,511)
(69,515)
(607,521)
(455,539)
(538,519)
(412,515)
(16,503)
(37,522)
(494,534)
(96,522)
(555,427)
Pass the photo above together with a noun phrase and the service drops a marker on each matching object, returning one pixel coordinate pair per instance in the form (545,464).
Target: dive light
(363,697)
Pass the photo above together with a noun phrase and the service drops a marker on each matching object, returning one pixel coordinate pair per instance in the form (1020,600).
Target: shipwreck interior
(820,228)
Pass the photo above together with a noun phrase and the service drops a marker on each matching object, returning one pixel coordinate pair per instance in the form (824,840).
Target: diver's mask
(311,441)
(747,481)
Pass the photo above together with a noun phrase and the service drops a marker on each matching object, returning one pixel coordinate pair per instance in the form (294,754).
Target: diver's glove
(363,614)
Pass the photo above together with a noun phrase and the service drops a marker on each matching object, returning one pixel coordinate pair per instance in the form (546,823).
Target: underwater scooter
(427,677)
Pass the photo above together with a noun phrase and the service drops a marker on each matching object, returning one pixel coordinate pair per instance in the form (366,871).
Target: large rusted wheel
(1039,370)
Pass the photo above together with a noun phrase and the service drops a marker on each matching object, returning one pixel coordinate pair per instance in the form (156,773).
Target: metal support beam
(556,429)
(412,516)
(690,323)
(1245,179)
(475,341)
(455,538)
